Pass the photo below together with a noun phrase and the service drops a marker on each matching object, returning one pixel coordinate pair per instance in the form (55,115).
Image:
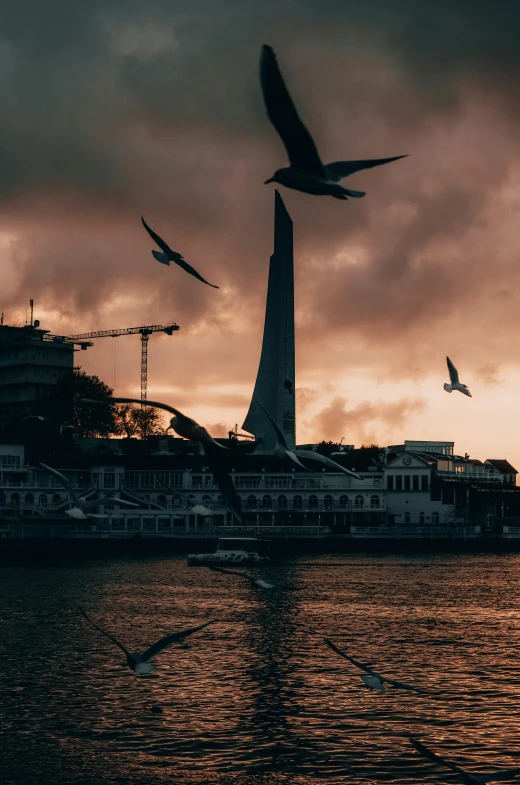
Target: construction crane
(144,332)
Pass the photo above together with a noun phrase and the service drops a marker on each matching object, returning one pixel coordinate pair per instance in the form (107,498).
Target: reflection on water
(258,697)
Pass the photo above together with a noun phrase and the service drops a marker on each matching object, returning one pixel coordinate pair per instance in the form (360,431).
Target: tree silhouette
(65,403)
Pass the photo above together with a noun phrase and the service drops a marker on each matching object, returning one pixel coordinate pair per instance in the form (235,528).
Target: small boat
(236,550)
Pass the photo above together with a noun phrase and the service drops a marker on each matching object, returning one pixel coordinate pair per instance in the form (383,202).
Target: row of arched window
(313,501)
(29,498)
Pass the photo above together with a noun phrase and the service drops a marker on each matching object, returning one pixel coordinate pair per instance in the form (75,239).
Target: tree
(131,419)
(65,403)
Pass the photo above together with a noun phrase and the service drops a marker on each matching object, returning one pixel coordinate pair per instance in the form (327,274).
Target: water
(258,698)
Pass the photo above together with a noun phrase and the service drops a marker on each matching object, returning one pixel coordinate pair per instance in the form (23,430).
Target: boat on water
(235,550)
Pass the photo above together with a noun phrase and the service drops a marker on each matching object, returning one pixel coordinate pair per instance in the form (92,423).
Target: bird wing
(155,237)
(66,484)
(108,500)
(403,686)
(435,758)
(223,480)
(298,142)
(163,258)
(340,169)
(106,634)
(465,391)
(454,376)
(155,648)
(192,271)
(498,776)
(279,435)
(316,456)
(350,659)
(228,572)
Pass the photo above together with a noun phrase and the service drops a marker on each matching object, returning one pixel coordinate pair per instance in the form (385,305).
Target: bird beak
(269,181)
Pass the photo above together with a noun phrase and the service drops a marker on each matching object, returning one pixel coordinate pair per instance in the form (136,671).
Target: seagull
(138,661)
(454,379)
(306,171)
(372,679)
(172,256)
(190,429)
(281,449)
(466,777)
(81,504)
(254,581)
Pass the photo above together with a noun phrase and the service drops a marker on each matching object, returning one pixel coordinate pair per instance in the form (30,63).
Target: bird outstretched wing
(155,648)
(106,634)
(155,237)
(59,476)
(350,659)
(223,479)
(454,376)
(192,271)
(301,150)
(310,455)
(433,757)
(340,169)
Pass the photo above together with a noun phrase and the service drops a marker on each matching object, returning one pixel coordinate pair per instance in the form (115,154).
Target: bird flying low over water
(306,172)
(168,256)
(372,679)
(466,777)
(454,379)
(81,504)
(190,429)
(253,580)
(139,661)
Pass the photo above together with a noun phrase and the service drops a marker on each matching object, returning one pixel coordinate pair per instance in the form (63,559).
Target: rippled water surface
(258,698)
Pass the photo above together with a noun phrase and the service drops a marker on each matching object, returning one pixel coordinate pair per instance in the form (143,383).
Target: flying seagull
(281,449)
(81,504)
(454,379)
(168,256)
(306,172)
(372,679)
(199,509)
(466,777)
(190,429)
(254,581)
(139,661)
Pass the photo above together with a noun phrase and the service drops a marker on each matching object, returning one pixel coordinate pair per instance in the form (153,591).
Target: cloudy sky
(115,108)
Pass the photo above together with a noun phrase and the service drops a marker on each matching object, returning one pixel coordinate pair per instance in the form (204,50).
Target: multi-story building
(30,366)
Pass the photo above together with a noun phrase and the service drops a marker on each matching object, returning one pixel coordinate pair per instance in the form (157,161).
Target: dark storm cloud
(110,109)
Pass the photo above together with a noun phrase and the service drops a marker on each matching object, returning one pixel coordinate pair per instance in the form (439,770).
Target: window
(251,501)
(399,482)
(407,517)
(282,502)
(343,501)
(421,518)
(328,502)
(415,482)
(15,498)
(267,501)
(56,499)
(359,501)
(2,498)
(298,502)
(29,498)
(313,501)
(161,499)
(247,482)
(390,482)
(110,479)
(374,501)
(407,482)
(9,461)
(196,481)
(424,482)
(435,518)
(43,500)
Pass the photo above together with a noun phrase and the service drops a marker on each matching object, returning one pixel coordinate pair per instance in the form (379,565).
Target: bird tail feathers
(161,257)
(354,194)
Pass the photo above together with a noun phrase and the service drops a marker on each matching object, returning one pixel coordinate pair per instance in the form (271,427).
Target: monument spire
(275,381)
